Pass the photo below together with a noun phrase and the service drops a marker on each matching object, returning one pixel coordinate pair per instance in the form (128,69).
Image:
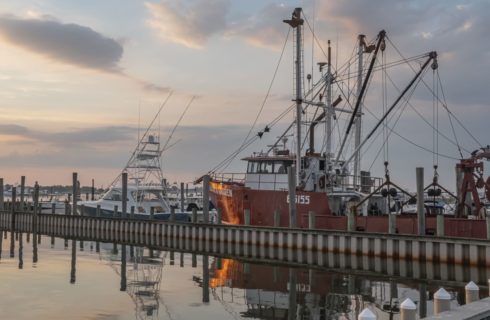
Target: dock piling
(420,201)
(97,211)
(246,217)
(22,191)
(2,203)
(124,208)
(391,223)
(219,215)
(440,225)
(311,219)
(182,190)
(292,196)
(172,214)
(194,215)
(488,225)
(75,191)
(277,218)
(205,198)
(152,213)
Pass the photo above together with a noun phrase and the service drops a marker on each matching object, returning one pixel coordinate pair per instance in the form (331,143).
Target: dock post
(246,217)
(311,220)
(205,198)
(442,301)
(391,223)
(219,215)
(182,190)
(172,213)
(86,196)
(22,191)
(67,208)
(152,213)
(35,211)
(74,201)
(205,279)
(124,208)
(420,201)
(351,220)
(277,218)
(408,310)
(132,212)
(366,314)
(93,190)
(53,208)
(472,292)
(97,211)
(116,209)
(12,208)
(124,281)
(194,215)
(440,225)
(292,196)
(2,203)
(488,225)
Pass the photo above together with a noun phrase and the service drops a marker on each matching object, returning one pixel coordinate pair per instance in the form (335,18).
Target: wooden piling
(93,190)
(440,225)
(2,203)
(114,213)
(246,217)
(420,201)
(124,178)
(292,196)
(132,212)
(182,209)
(22,191)
(172,214)
(194,215)
(219,215)
(97,211)
(205,198)
(152,213)
(311,220)
(75,191)
(391,223)
(277,218)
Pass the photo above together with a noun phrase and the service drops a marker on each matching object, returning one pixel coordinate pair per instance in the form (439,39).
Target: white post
(442,301)
(311,219)
(391,223)
(472,292)
(366,314)
(205,198)
(408,310)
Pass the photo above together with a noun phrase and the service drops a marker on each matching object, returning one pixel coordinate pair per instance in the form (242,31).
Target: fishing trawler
(328,180)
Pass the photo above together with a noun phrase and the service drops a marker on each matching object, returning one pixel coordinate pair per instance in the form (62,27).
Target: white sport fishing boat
(145,192)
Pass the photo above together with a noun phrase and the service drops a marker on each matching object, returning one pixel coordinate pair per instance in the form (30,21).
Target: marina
(366,195)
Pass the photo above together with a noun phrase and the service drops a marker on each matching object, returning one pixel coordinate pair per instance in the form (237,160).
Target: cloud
(264,29)
(188,24)
(12,129)
(69,43)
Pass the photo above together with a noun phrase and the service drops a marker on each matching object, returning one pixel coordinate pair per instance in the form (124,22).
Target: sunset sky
(75,77)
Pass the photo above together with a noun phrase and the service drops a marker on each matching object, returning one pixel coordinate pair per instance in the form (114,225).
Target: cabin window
(146,195)
(251,167)
(322,165)
(113,195)
(265,167)
(280,167)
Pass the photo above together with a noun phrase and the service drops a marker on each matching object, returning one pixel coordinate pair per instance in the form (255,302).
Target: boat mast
(296,23)
(357,138)
(329,111)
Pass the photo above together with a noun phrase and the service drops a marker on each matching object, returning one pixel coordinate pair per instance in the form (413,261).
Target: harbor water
(54,278)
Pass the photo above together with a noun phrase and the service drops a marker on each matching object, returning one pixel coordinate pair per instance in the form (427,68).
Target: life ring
(487,188)
(321,182)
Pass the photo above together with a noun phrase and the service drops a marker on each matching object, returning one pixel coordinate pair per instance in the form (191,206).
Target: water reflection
(242,288)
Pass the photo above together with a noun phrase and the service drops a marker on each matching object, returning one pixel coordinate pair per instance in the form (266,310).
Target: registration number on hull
(300,199)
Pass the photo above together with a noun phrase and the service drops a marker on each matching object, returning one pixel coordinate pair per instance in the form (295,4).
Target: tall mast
(329,111)
(357,138)
(296,23)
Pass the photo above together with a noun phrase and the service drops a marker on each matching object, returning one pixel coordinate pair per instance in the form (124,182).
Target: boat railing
(229,177)
(362,184)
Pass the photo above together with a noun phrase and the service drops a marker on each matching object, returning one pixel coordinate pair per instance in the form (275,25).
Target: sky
(78,78)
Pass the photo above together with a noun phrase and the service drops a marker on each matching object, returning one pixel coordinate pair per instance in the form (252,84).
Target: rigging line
(409,141)
(433,119)
(444,105)
(386,134)
(450,120)
(177,124)
(314,36)
(425,120)
(144,135)
(269,89)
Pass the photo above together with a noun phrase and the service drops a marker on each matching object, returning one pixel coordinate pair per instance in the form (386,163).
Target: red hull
(233,199)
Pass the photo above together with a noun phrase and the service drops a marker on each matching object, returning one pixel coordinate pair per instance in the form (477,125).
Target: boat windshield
(113,195)
(147,195)
(268,166)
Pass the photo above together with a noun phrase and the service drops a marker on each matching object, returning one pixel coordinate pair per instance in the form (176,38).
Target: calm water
(68,279)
